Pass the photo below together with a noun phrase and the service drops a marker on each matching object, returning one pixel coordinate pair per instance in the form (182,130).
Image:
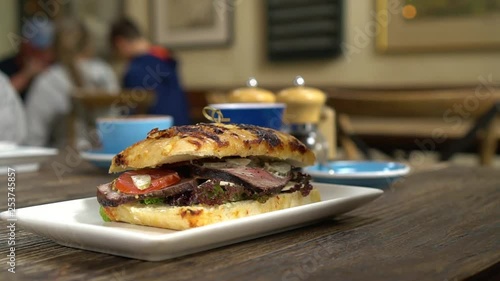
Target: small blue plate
(359,173)
(98,159)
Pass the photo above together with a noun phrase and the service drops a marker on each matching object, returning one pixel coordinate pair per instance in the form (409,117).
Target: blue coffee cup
(118,133)
(261,114)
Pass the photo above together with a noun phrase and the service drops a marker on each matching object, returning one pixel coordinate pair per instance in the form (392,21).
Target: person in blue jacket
(150,68)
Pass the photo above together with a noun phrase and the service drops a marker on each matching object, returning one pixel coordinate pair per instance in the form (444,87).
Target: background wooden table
(434,225)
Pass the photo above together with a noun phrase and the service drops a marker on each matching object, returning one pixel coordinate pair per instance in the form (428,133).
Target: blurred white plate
(7,145)
(81,226)
(24,158)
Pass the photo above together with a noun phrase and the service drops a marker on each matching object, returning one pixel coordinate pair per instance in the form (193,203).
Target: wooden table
(435,225)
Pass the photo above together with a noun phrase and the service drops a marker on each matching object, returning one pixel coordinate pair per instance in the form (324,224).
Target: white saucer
(100,160)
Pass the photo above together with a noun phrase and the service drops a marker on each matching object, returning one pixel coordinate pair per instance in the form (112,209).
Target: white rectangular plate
(77,223)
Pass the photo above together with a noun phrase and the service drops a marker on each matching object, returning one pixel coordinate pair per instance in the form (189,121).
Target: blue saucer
(98,159)
(358,173)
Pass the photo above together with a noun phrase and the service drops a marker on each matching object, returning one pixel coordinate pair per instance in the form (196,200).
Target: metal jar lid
(251,93)
(303,103)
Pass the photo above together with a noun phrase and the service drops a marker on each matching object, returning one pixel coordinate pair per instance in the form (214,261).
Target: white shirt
(48,99)
(12,115)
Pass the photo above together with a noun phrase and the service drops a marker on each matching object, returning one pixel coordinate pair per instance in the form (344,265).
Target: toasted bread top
(183,143)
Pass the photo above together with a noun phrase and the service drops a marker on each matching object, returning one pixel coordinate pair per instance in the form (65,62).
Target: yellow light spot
(409,11)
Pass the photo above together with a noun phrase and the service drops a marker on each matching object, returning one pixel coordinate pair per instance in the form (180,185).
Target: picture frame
(433,32)
(304,30)
(192,23)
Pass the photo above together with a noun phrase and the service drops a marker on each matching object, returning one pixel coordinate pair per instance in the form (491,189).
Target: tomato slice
(160,178)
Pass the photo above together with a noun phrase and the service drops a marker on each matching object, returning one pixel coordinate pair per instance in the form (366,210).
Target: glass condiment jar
(302,115)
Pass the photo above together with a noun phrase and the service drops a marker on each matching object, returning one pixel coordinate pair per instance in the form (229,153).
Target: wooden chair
(90,104)
(451,105)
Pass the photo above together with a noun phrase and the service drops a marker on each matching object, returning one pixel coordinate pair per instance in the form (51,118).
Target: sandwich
(195,175)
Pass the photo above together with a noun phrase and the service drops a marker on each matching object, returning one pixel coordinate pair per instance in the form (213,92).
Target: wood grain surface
(433,225)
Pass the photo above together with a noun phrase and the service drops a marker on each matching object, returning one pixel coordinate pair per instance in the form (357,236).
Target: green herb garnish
(262,198)
(150,201)
(217,191)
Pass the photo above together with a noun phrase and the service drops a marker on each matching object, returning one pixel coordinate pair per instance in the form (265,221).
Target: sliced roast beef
(252,183)
(254,178)
(111,198)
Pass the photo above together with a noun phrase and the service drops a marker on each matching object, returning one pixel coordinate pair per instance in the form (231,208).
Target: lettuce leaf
(103,214)
(149,201)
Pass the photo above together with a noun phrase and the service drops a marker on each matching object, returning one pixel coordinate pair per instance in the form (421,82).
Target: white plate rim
(26,155)
(28,151)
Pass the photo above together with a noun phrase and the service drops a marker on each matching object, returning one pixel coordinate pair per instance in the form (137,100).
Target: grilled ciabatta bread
(191,142)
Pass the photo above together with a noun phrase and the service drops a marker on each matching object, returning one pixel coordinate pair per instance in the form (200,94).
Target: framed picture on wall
(192,23)
(304,30)
(445,25)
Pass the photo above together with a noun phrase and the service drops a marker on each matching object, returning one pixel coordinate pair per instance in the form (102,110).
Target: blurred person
(12,115)
(34,55)
(75,67)
(150,68)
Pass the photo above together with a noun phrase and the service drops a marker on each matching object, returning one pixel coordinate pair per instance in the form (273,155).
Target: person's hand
(33,66)
(30,69)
